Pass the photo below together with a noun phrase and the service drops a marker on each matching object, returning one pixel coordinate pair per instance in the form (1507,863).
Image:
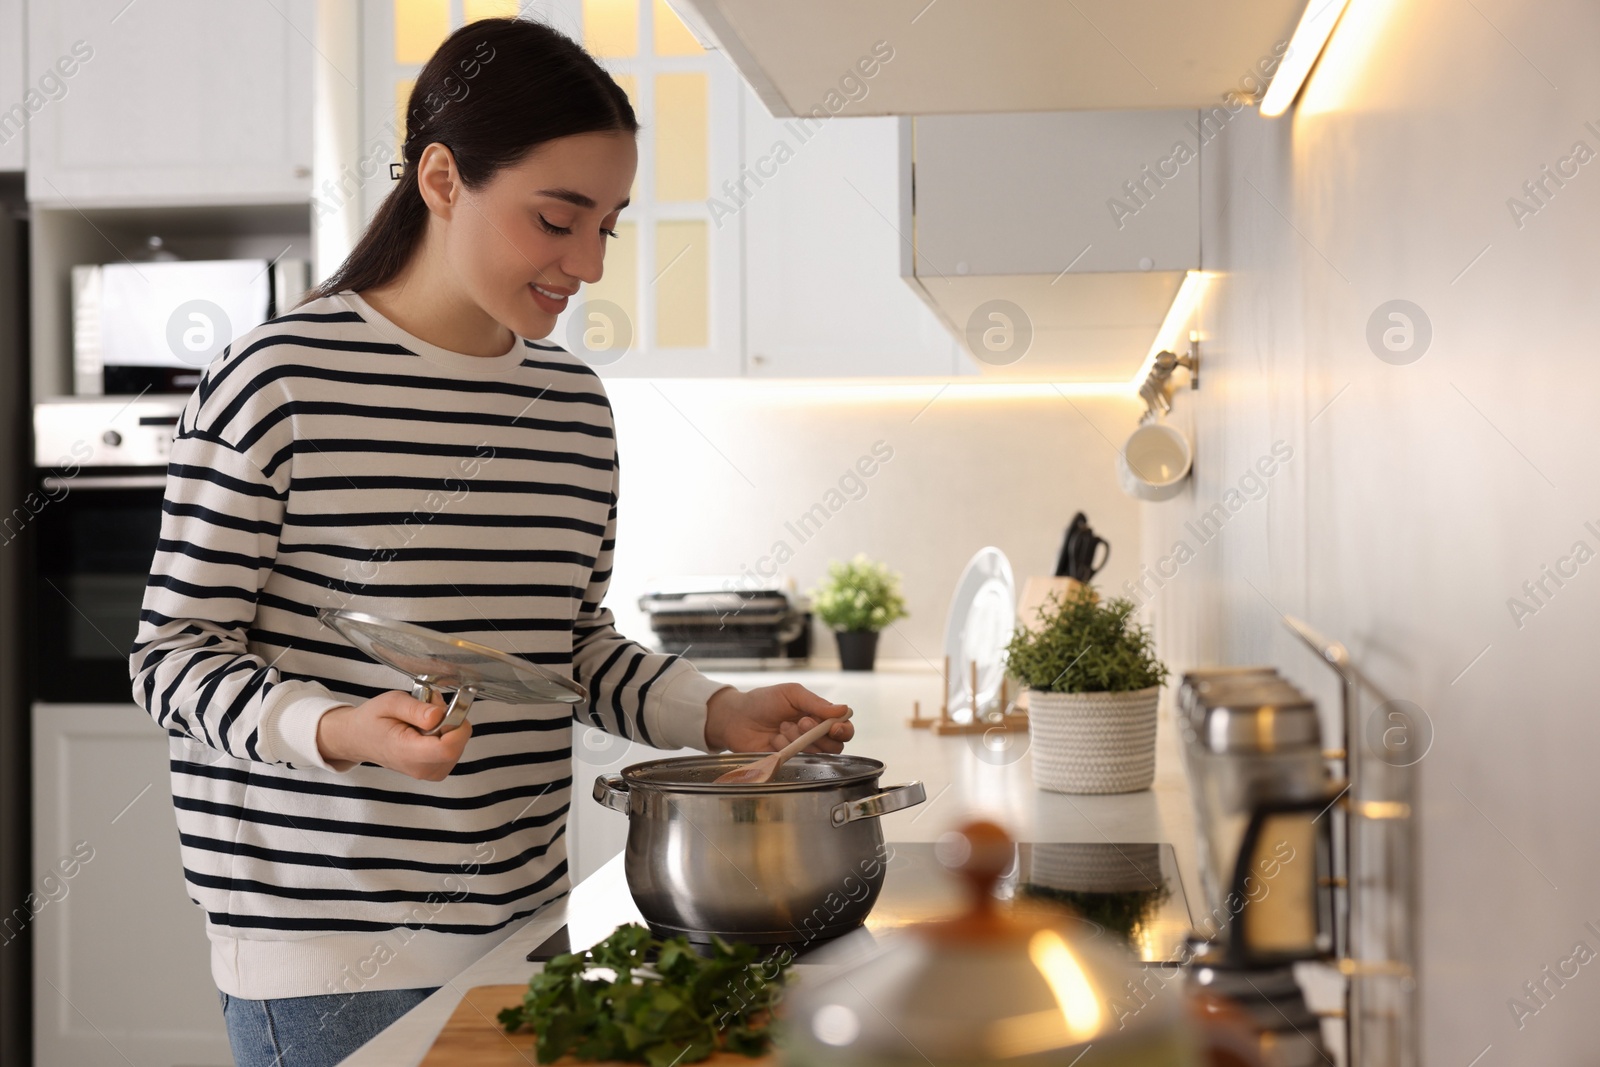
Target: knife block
(1036,594)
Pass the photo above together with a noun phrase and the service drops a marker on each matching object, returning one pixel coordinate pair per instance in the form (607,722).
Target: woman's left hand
(766,719)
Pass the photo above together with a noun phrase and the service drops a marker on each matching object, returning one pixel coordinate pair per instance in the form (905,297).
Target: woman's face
(541,224)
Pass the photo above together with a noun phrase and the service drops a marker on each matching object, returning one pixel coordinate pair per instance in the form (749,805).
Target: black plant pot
(857,649)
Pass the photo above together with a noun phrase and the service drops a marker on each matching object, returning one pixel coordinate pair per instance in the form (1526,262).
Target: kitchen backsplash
(748,479)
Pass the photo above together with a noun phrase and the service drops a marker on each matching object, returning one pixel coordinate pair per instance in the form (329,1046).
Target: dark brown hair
(494,90)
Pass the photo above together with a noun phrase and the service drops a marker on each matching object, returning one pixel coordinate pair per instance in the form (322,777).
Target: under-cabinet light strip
(1316,25)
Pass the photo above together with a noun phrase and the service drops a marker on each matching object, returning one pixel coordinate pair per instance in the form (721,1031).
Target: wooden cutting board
(474,1037)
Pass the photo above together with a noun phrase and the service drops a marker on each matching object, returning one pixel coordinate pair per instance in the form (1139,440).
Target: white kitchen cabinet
(180,102)
(951,56)
(13,87)
(122,972)
(823,294)
(1084,223)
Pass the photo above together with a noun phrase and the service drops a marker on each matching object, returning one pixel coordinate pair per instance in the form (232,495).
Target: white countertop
(961,778)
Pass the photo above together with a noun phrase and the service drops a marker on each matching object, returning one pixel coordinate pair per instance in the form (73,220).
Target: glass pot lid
(436,660)
(698,774)
(1015,985)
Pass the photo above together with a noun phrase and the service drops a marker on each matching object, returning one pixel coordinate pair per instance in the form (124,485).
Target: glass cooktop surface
(1130,892)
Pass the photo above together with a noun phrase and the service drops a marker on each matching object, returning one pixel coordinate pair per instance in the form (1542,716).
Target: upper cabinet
(1052,243)
(953,56)
(820,200)
(14,98)
(180,102)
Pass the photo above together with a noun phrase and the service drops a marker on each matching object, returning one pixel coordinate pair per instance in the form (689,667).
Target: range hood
(961,56)
(1054,245)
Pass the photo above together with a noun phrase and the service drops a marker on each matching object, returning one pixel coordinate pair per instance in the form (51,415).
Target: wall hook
(1157,388)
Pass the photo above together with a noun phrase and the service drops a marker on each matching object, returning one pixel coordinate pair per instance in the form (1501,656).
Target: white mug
(1154,462)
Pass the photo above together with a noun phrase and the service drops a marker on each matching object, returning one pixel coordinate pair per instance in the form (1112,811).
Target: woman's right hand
(388,730)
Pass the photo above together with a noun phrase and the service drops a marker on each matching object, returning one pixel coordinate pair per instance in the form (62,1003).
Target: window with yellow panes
(666,285)
(659,268)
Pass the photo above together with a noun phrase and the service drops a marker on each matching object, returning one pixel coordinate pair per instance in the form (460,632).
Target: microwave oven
(154,326)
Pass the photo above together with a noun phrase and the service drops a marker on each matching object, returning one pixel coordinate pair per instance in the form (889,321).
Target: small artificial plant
(1085,646)
(859,595)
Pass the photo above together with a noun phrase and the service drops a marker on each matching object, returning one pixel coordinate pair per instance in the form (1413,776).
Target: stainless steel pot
(793,861)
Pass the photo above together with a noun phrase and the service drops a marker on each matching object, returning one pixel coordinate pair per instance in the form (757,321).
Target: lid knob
(978,852)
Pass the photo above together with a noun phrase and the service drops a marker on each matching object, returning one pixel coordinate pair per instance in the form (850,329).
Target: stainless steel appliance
(1253,749)
(796,859)
(155,325)
(729,621)
(95,517)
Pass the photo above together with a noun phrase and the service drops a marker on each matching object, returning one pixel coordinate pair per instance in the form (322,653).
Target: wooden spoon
(764,768)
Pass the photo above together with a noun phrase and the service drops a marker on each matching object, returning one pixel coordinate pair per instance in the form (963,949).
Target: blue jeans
(316,1031)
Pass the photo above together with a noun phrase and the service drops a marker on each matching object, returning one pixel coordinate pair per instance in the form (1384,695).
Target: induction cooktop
(1129,892)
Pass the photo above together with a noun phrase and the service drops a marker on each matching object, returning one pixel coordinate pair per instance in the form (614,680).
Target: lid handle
(979,852)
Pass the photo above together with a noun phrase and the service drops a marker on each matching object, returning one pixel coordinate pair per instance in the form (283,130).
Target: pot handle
(894,798)
(611,792)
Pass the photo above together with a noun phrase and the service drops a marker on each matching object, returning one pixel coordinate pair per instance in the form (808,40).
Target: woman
(401,444)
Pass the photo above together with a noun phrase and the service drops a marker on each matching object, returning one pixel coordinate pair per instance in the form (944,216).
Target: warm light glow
(1175,326)
(1316,23)
(1080,1007)
(1175,329)
(1341,71)
(846,391)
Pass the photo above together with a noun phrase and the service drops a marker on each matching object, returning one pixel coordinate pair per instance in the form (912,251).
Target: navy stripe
(408,554)
(344,409)
(308,823)
(233,360)
(375,896)
(344,483)
(267,376)
(378,446)
(424,589)
(206,474)
(266,922)
(213,555)
(443,518)
(404,797)
(292,858)
(217,518)
(198,592)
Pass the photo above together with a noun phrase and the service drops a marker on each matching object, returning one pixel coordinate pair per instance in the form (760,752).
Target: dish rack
(1004,717)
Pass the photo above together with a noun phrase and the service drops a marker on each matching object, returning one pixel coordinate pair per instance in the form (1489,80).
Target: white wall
(712,472)
(1421,497)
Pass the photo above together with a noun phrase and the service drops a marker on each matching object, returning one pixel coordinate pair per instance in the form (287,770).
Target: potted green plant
(857,600)
(1094,682)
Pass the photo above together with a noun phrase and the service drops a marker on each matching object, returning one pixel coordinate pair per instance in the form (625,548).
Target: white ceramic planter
(1093,742)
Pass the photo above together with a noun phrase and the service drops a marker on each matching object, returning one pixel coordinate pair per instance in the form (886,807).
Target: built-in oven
(99,480)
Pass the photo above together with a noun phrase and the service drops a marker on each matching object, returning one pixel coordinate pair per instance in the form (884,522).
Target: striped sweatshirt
(330,459)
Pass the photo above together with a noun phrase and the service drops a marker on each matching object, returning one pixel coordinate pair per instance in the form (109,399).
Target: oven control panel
(110,431)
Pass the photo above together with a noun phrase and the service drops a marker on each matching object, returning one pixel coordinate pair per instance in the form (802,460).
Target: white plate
(983,614)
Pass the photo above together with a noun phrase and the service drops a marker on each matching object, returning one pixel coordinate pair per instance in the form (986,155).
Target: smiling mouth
(552,294)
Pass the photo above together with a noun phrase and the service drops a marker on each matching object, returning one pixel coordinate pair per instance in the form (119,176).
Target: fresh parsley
(678,1009)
